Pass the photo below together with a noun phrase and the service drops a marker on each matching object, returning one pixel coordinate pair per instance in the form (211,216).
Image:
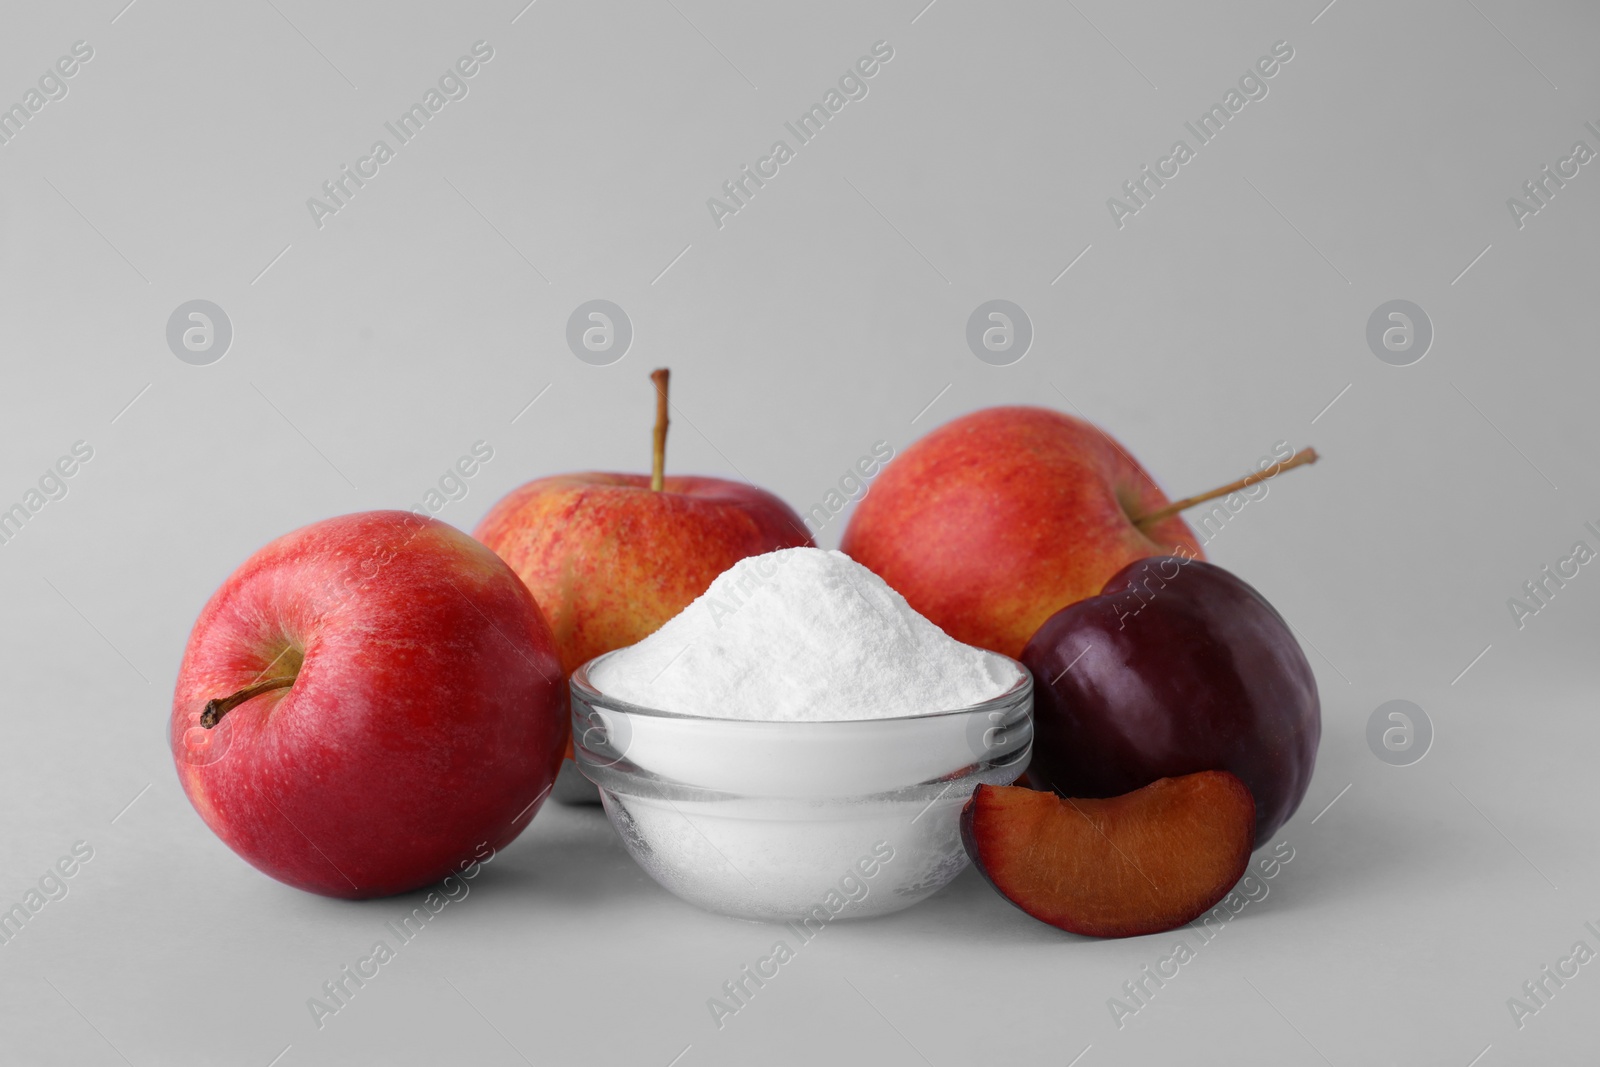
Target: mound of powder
(802,634)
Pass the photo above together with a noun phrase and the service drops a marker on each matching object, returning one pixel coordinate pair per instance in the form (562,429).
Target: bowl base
(766,863)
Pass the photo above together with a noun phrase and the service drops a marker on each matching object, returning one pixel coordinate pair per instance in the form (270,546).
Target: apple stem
(220,706)
(658,459)
(1299,459)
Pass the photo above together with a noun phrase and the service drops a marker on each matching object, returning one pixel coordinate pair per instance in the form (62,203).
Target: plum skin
(1178,666)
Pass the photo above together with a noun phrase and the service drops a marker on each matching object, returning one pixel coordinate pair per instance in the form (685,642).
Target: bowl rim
(583,689)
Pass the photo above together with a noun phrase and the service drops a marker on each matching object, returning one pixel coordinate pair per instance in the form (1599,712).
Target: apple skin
(1178,667)
(995,521)
(610,560)
(426,719)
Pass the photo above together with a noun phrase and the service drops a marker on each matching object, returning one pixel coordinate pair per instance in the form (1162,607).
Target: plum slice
(1140,863)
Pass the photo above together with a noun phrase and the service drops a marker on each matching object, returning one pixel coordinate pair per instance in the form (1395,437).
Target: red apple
(995,521)
(610,558)
(366,702)
(1142,863)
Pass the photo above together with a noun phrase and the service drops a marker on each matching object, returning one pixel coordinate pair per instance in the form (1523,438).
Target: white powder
(759,818)
(802,635)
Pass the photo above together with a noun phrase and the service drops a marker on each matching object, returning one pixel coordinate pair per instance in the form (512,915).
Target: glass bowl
(797,821)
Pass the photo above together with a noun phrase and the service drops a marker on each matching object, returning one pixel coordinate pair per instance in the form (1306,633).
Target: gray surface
(1225,316)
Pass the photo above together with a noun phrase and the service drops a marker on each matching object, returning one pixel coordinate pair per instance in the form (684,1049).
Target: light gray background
(829,314)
